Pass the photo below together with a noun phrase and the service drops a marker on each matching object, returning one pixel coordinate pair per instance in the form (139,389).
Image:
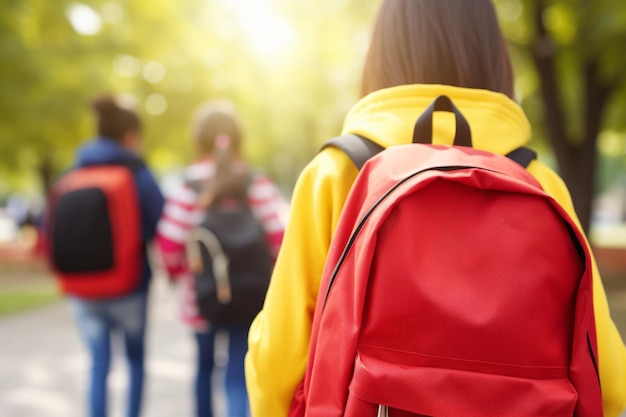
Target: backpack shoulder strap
(133,164)
(358,148)
(523,156)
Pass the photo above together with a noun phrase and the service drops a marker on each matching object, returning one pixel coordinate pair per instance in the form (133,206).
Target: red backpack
(93,229)
(454,286)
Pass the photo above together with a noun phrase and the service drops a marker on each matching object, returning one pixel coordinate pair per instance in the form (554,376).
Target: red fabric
(119,187)
(465,304)
(297,407)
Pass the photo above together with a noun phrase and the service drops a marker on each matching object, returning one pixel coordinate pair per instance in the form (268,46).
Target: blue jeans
(235,380)
(97,321)
(203,389)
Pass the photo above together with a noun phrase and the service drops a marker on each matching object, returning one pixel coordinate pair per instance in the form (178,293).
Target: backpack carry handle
(201,236)
(423,132)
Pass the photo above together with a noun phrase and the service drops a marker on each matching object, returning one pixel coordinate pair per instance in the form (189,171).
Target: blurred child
(219,169)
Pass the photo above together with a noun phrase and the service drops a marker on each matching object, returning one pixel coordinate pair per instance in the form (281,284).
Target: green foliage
(571,83)
(169,57)
(293,72)
(583,32)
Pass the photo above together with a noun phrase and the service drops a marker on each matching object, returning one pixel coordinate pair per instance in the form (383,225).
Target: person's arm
(280,335)
(611,349)
(268,206)
(151,202)
(179,216)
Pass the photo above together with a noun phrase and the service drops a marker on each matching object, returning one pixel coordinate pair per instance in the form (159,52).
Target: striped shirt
(181,214)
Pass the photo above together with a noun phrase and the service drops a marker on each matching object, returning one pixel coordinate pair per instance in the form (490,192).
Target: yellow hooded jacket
(280,335)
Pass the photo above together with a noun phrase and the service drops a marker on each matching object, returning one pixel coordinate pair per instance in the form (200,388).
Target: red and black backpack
(93,229)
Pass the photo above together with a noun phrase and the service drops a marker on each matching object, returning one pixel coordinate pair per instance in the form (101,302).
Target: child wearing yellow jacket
(399,83)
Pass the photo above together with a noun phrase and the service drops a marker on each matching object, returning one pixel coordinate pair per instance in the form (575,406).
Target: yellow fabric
(280,335)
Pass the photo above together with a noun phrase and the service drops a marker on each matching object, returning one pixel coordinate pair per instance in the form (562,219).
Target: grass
(25,285)
(19,300)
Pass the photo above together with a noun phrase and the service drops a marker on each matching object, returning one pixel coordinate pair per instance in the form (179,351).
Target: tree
(63,53)
(169,57)
(575,48)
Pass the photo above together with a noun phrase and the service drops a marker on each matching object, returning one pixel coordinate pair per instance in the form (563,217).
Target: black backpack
(236,264)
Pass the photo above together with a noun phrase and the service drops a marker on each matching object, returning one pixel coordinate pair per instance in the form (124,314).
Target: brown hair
(212,119)
(216,132)
(451,42)
(113,119)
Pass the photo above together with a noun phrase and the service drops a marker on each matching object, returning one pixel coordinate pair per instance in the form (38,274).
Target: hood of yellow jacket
(388,116)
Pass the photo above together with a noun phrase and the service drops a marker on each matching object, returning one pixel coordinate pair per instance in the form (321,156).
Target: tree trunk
(596,96)
(576,158)
(45,170)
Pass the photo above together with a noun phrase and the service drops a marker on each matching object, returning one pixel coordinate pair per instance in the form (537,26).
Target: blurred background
(291,67)
(293,70)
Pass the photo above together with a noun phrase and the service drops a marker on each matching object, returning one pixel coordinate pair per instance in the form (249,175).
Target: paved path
(44,366)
